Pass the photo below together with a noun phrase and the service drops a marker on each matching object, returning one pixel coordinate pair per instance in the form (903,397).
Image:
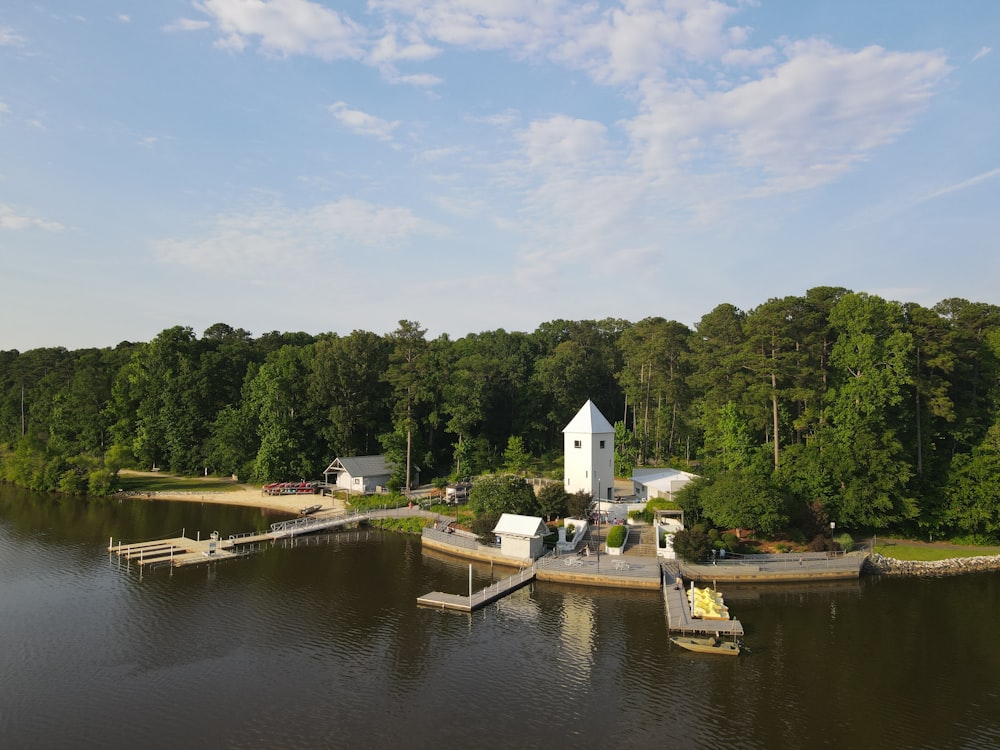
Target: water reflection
(319,643)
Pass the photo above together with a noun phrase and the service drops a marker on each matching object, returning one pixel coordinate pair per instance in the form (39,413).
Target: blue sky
(478,164)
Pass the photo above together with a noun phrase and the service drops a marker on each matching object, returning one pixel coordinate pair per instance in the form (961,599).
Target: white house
(358,474)
(521,536)
(650,483)
(589,454)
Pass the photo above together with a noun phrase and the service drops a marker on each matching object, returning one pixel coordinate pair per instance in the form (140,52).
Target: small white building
(589,454)
(650,483)
(358,474)
(521,536)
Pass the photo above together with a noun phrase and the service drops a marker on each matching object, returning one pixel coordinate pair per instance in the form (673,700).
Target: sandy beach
(247,495)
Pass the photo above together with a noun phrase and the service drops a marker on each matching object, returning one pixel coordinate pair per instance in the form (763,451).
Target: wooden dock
(181,551)
(491,593)
(679,618)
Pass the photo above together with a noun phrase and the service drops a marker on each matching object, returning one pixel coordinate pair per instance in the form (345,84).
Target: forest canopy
(831,406)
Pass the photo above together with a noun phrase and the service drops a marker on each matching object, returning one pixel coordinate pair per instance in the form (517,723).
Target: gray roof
(360,466)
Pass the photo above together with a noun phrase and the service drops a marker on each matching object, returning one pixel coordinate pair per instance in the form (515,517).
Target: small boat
(309,510)
(706,645)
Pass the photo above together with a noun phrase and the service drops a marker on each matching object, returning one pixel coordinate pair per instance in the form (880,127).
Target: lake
(319,643)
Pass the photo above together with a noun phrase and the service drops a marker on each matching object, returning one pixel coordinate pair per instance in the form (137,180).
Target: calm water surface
(321,644)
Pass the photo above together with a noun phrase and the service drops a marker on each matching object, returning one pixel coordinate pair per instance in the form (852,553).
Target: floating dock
(491,593)
(679,618)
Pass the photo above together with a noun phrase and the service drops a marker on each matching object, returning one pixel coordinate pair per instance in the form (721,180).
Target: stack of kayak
(707,604)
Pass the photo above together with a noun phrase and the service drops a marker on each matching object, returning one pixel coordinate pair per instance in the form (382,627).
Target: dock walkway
(491,593)
(182,550)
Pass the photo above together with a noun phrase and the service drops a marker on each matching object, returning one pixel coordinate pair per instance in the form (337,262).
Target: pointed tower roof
(589,421)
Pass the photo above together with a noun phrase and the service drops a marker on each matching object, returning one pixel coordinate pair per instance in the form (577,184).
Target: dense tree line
(832,406)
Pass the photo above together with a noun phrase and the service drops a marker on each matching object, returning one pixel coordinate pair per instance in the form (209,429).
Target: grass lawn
(169,483)
(902,549)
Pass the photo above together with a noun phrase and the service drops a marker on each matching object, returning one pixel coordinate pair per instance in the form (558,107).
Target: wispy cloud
(971,182)
(363,123)
(10,38)
(282,240)
(11,218)
(187,24)
(983,52)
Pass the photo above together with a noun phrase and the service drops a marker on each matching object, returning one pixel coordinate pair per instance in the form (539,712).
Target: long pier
(182,550)
(481,598)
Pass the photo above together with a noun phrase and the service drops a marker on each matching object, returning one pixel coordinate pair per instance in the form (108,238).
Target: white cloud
(363,123)
(799,125)
(123,18)
(564,143)
(12,219)
(279,240)
(286,27)
(10,38)
(388,49)
(187,24)
(983,52)
(506,119)
(750,58)
(420,80)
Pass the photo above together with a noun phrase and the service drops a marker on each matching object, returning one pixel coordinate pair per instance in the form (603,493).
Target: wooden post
(470,583)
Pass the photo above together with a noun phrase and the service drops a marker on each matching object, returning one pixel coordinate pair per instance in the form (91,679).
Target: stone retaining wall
(889,566)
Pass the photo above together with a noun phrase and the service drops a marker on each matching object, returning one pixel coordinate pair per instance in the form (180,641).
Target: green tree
(516,459)
(552,499)
(626,450)
(744,500)
(495,494)
(578,504)
(973,493)
(870,361)
(278,398)
(408,377)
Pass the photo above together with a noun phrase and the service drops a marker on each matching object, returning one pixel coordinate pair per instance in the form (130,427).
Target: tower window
(602,445)
(577,444)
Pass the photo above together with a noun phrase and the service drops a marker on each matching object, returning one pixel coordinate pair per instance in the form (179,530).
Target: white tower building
(589,451)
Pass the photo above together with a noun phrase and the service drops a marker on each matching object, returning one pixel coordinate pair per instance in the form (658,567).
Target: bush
(821,543)
(845,542)
(617,536)
(643,516)
(570,531)
(730,542)
(692,545)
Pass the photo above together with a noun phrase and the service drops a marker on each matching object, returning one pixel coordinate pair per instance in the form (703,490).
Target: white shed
(521,536)
(358,474)
(589,454)
(650,483)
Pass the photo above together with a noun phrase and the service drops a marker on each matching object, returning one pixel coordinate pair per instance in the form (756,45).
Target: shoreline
(252,497)
(248,497)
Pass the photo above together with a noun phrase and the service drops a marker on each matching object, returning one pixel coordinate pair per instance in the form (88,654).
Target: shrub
(692,545)
(730,542)
(617,536)
(845,541)
(821,543)
(570,531)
